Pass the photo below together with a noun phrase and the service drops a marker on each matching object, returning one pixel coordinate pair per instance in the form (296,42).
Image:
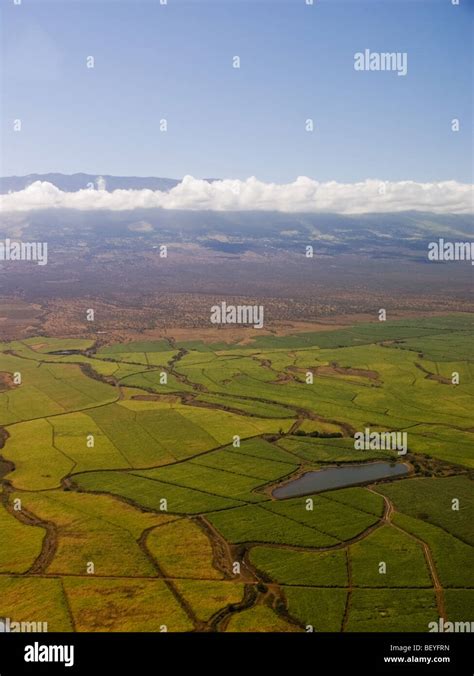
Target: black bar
(317,653)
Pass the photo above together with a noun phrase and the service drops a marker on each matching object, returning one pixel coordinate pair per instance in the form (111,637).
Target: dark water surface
(339,477)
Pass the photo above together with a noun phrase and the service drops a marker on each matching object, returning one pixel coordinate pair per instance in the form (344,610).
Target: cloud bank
(303,195)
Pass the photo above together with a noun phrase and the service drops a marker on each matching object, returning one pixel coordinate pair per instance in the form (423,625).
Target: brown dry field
(60,318)
(134,301)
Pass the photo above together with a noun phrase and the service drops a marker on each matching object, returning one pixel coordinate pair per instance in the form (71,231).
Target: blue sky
(297,62)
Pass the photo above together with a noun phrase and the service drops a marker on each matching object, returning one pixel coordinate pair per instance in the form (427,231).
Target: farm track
(271,585)
(439,592)
(189,399)
(170,464)
(167,580)
(345,617)
(76,410)
(68,607)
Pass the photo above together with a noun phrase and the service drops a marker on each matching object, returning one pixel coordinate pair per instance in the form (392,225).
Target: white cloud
(303,195)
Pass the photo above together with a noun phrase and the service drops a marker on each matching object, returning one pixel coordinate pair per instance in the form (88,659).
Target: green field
(289,567)
(129,504)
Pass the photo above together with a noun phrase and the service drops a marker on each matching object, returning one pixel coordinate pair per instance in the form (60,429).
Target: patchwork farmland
(137,481)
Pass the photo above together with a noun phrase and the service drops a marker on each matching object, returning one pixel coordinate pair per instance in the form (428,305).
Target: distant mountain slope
(74,182)
(384,235)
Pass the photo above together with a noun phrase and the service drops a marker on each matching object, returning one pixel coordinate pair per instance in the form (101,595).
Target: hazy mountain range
(383,235)
(75,182)
(86,192)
